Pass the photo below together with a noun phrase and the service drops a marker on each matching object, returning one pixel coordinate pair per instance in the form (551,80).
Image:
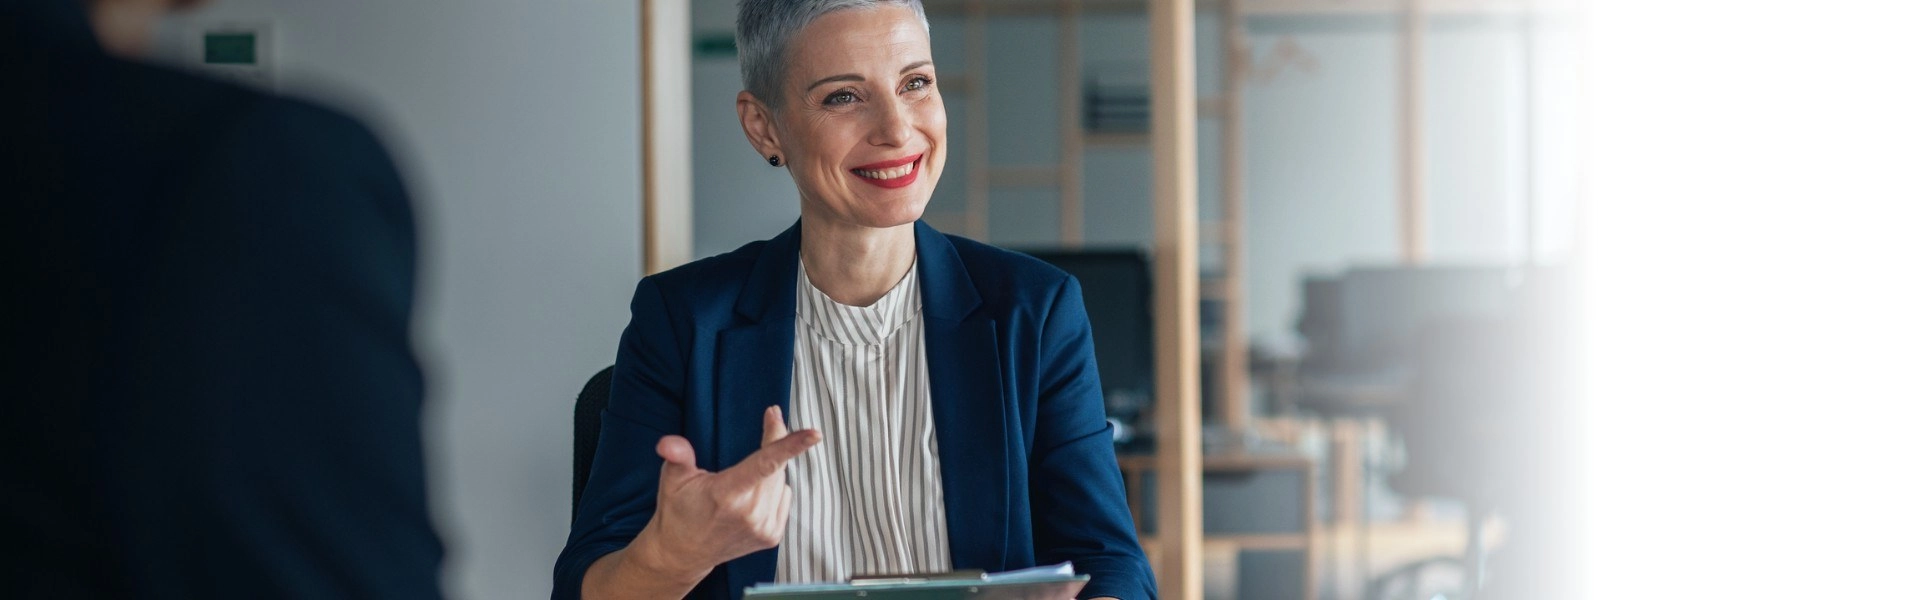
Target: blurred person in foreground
(861,394)
(209,386)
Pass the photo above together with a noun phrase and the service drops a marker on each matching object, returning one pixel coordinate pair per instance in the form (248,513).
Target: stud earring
(774,160)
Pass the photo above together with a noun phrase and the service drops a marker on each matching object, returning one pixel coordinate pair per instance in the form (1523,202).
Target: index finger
(772,457)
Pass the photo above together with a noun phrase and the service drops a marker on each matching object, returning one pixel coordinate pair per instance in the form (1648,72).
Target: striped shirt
(867,499)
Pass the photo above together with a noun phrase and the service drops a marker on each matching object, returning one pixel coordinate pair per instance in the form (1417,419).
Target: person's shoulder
(1005,277)
(231,135)
(282,152)
(203,111)
(302,129)
(215,153)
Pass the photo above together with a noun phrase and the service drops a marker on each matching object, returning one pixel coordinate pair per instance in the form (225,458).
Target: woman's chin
(891,221)
(877,211)
(904,213)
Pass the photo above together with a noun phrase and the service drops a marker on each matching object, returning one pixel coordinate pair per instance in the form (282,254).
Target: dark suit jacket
(1026,454)
(209,388)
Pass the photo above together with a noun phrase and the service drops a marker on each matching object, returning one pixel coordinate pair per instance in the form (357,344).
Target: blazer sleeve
(1079,501)
(645,403)
(275,450)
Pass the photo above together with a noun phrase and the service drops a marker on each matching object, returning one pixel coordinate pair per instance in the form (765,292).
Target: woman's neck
(855,265)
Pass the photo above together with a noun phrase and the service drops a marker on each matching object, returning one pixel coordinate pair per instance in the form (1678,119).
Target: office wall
(737,197)
(516,125)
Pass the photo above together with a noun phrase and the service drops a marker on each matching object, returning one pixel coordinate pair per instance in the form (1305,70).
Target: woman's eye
(919,83)
(841,97)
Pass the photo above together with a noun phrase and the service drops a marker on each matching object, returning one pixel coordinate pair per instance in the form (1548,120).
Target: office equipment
(1364,327)
(586,429)
(1118,293)
(1453,361)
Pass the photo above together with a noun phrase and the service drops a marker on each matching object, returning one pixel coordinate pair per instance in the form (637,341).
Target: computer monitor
(1117,288)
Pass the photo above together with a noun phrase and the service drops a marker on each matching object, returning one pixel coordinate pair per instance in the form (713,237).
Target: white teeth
(884,174)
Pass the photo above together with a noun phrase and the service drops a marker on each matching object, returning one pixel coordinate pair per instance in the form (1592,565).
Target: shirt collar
(864,325)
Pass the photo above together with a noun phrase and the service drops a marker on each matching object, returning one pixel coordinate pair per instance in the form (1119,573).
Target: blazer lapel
(755,370)
(969,408)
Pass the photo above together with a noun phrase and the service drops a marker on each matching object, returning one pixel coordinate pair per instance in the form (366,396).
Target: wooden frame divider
(1176,297)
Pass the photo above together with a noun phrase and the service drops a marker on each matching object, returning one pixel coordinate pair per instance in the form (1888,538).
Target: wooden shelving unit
(1135,468)
(1224,287)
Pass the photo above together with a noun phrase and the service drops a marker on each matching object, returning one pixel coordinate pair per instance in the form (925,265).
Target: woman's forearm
(639,571)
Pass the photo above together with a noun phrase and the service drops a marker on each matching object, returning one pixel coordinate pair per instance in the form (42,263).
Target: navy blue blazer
(1026,454)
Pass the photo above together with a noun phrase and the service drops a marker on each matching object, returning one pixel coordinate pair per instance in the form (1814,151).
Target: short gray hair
(763,28)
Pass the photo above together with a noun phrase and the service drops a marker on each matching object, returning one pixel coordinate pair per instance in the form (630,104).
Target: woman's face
(862,131)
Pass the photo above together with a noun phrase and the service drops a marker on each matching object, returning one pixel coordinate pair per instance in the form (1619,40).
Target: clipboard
(962,585)
(1062,589)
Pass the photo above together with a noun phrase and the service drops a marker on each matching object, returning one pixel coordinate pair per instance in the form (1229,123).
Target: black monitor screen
(1119,297)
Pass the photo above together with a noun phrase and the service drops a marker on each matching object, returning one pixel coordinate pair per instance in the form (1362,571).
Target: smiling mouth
(891,174)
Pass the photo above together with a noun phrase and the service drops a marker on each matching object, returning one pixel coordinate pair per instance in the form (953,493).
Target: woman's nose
(893,124)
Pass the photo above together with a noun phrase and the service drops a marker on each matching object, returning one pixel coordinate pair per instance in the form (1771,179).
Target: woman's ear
(757,121)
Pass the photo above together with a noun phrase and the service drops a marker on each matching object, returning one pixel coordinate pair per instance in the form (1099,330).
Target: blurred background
(1427,230)
(1370,331)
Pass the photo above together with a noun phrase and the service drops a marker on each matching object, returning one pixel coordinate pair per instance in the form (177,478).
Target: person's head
(123,26)
(842,92)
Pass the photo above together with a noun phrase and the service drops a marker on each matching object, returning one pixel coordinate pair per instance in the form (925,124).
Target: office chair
(586,429)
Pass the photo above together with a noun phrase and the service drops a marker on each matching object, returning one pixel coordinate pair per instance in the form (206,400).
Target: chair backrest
(586,429)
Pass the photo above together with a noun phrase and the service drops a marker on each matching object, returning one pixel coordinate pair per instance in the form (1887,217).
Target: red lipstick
(899,181)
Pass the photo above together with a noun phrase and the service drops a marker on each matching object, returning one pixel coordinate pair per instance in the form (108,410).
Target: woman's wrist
(643,569)
(646,555)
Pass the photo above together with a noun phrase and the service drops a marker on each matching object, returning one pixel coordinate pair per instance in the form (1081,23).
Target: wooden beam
(1232,373)
(666,144)
(1413,164)
(976,158)
(647,218)
(1310,587)
(1072,149)
(1176,297)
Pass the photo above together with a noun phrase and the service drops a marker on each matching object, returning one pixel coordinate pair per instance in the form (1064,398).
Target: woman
(941,394)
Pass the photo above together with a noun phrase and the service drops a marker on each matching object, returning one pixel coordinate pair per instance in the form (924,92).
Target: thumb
(677,452)
(773,426)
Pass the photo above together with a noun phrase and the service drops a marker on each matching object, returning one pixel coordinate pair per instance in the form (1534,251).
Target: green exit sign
(714,45)
(231,49)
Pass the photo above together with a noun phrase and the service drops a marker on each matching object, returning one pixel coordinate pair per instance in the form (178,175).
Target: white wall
(737,197)
(516,124)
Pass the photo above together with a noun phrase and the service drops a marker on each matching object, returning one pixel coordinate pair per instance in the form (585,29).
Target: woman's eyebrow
(841,77)
(854,77)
